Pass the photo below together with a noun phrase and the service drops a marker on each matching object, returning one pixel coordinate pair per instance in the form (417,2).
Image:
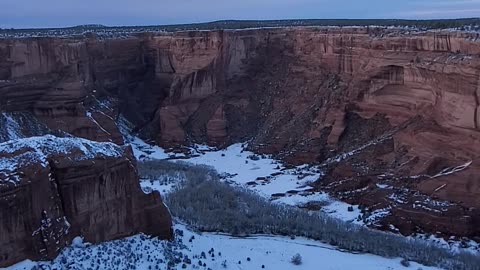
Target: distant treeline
(461,24)
(241,24)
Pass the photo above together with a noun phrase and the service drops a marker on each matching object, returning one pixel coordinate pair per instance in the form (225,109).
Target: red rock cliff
(58,82)
(53,189)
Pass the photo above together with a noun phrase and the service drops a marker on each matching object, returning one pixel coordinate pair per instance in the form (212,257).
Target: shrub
(405,263)
(296,259)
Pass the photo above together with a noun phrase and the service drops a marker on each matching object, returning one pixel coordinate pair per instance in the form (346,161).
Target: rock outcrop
(392,116)
(53,189)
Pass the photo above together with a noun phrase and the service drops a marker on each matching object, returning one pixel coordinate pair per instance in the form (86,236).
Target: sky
(60,13)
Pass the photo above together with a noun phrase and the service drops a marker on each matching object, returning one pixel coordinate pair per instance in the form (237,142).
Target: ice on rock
(77,242)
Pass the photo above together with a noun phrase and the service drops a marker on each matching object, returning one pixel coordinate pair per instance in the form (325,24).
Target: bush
(203,202)
(172,172)
(405,263)
(296,259)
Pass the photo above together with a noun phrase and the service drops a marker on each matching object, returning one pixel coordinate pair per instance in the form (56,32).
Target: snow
(303,199)
(164,185)
(78,242)
(383,186)
(89,115)
(339,210)
(452,170)
(398,198)
(452,244)
(23,265)
(11,127)
(379,213)
(346,155)
(276,253)
(140,148)
(445,172)
(242,169)
(140,252)
(32,150)
(233,161)
(50,144)
(440,187)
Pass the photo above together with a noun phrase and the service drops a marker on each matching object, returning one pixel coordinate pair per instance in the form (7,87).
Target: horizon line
(97,25)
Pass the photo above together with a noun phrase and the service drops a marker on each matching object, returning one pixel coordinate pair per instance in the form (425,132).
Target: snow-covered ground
(142,253)
(266,176)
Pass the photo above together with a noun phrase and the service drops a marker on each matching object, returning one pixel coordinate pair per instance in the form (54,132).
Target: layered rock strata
(54,189)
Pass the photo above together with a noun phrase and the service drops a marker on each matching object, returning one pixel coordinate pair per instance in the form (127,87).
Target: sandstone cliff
(53,189)
(391,115)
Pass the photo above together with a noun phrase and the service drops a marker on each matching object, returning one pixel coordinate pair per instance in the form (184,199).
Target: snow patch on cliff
(11,128)
(36,150)
(90,116)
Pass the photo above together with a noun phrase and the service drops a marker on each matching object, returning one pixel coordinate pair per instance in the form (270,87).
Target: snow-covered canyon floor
(194,251)
(269,178)
(264,175)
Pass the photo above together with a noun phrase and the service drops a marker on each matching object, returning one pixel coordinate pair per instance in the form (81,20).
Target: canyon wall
(390,115)
(54,189)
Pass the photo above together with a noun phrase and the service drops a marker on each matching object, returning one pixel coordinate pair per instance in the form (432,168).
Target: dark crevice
(56,188)
(477,103)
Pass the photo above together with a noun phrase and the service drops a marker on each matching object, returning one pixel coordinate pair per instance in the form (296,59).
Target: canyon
(391,116)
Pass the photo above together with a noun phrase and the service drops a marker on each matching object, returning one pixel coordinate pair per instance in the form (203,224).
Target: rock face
(55,81)
(53,189)
(392,116)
